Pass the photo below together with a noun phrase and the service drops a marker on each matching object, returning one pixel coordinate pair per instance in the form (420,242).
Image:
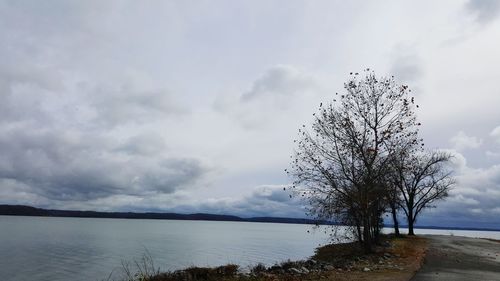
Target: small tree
(341,167)
(422,179)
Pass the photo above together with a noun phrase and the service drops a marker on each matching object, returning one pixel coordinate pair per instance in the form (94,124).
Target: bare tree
(422,179)
(341,166)
(395,201)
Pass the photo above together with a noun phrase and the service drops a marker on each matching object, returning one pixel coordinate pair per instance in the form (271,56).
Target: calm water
(45,248)
(42,248)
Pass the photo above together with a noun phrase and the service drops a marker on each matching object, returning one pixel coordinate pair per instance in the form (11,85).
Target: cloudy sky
(192,106)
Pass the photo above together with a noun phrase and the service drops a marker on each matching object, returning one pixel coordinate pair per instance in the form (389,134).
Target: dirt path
(460,258)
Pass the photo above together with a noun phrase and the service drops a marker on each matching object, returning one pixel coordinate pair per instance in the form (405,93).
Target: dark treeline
(21,210)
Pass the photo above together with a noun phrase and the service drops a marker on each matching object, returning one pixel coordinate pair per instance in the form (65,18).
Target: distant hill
(21,210)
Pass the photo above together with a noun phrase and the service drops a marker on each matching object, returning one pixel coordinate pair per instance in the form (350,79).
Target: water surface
(60,249)
(49,248)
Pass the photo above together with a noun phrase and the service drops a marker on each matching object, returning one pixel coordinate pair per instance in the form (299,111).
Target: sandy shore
(460,258)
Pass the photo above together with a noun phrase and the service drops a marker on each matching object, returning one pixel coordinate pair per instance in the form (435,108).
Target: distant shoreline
(23,210)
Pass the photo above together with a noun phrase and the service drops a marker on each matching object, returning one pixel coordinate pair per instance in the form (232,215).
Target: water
(466,233)
(45,248)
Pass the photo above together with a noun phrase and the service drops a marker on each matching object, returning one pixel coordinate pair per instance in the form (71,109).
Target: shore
(420,258)
(460,258)
(394,259)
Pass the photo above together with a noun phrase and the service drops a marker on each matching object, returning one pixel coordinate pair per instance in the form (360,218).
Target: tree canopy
(343,166)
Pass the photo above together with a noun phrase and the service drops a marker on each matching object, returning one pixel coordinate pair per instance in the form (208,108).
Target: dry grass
(407,255)
(226,272)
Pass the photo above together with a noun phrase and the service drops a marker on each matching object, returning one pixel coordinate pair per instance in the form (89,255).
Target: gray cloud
(265,200)
(71,132)
(406,65)
(279,90)
(125,104)
(62,165)
(279,83)
(23,92)
(57,143)
(108,105)
(474,200)
(144,144)
(484,11)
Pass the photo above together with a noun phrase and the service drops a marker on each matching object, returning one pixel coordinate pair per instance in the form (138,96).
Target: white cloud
(492,154)
(476,211)
(461,141)
(460,199)
(458,161)
(495,133)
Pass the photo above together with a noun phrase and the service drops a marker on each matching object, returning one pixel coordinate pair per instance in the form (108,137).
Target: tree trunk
(360,237)
(410,217)
(395,220)
(410,226)
(367,239)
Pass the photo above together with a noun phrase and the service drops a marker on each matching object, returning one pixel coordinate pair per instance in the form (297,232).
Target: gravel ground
(460,258)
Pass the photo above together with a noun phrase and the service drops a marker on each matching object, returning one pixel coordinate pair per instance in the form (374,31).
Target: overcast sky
(192,106)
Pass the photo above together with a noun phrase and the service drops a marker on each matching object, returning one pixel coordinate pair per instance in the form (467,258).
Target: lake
(49,248)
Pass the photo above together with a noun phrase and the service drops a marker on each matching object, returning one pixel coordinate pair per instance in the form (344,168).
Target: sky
(192,106)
